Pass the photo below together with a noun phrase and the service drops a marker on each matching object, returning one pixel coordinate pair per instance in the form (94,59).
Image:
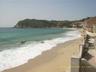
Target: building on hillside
(77,25)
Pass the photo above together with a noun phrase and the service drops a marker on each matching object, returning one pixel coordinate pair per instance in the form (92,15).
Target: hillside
(34,23)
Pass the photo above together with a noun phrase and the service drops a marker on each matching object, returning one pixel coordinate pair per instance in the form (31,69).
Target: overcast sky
(11,11)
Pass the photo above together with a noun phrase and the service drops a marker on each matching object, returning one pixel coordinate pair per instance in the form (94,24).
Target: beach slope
(57,59)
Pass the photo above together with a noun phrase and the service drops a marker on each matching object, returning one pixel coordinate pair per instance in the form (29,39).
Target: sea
(18,46)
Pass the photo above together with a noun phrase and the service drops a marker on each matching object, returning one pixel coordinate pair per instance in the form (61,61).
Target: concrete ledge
(75,60)
(75,64)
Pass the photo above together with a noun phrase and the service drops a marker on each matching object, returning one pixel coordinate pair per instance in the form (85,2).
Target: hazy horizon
(11,11)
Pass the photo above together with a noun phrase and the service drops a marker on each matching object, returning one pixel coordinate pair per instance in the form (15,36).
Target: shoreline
(55,60)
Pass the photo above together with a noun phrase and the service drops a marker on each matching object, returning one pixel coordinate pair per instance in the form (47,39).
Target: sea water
(14,53)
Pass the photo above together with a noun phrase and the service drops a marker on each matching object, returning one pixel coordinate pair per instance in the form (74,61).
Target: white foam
(18,56)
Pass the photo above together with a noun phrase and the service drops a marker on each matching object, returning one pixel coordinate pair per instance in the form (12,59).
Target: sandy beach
(57,59)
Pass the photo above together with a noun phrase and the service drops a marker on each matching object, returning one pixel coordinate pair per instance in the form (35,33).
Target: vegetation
(33,23)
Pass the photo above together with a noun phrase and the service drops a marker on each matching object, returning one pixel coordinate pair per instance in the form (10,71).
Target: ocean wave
(17,56)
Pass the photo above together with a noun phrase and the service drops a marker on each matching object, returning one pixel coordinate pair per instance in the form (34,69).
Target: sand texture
(57,59)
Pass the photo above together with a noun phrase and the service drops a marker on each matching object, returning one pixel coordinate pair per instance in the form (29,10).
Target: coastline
(57,59)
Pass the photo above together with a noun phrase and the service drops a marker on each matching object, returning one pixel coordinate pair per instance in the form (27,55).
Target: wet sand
(57,59)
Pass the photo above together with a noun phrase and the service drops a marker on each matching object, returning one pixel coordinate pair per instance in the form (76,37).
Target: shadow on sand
(86,67)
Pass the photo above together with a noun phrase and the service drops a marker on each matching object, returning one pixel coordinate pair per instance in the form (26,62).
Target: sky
(12,11)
